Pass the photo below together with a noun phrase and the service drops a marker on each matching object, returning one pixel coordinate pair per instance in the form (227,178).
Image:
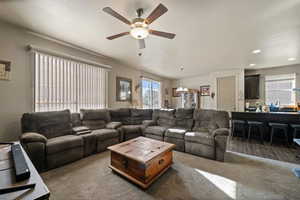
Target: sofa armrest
(221,131)
(35,146)
(80,130)
(30,137)
(113,125)
(147,123)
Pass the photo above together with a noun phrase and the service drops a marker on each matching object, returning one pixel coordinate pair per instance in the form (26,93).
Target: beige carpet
(191,177)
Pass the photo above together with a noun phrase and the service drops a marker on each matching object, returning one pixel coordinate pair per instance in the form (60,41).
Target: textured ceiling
(212,35)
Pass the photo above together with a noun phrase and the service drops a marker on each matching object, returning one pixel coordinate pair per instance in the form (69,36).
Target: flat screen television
(252,86)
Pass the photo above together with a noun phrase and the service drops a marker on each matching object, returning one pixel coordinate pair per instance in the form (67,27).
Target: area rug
(240,177)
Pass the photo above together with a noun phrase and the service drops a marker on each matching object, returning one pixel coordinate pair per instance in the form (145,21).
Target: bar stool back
(236,124)
(279,126)
(259,126)
(296,130)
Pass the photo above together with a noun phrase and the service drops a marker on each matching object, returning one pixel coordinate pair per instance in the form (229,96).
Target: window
(66,84)
(151,93)
(280,88)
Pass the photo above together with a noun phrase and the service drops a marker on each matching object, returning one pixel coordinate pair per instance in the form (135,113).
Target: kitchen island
(266,117)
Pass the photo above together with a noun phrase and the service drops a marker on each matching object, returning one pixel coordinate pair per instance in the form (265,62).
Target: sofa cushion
(139,115)
(143,113)
(165,122)
(50,124)
(155,130)
(94,124)
(75,119)
(204,120)
(222,119)
(167,113)
(184,113)
(121,115)
(62,143)
(127,129)
(95,114)
(200,137)
(175,133)
(184,118)
(104,134)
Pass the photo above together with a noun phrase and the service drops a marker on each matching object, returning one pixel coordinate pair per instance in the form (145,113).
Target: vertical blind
(62,83)
(151,93)
(280,88)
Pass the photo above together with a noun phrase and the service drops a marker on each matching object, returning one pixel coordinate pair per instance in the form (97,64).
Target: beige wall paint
(207,102)
(16,95)
(273,71)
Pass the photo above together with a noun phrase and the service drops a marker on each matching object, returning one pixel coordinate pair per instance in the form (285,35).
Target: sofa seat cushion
(175,133)
(200,137)
(104,134)
(62,143)
(155,130)
(127,129)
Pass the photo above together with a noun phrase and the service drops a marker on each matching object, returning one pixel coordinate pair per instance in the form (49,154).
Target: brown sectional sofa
(56,138)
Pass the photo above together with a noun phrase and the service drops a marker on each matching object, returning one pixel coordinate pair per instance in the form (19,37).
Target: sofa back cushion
(50,124)
(204,120)
(209,120)
(122,115)
(222,119)
(95,118)
(75,119)
(184,118)
(139,115)
(166,118)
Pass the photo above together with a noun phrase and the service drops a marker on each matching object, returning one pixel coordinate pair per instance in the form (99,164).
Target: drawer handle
(161,161)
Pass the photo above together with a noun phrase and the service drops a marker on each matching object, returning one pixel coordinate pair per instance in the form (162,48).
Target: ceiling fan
(140,26)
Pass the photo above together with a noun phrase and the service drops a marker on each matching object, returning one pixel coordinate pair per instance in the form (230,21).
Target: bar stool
(296,128)
(279,126)
(239,124)
(259,126)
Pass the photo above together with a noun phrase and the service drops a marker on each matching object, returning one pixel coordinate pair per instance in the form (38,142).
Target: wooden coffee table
(141,160)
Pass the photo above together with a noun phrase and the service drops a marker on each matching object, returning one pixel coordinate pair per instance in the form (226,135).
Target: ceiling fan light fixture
(139,29)
(139,33)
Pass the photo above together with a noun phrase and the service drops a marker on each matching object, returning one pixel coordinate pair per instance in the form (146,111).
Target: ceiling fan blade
(117,35)
(162,34)
(156,13)
(142,44)
(113,13)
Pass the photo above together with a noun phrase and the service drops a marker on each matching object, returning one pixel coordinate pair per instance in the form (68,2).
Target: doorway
(226,88)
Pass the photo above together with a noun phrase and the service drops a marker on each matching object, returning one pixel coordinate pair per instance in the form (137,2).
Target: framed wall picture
(205,90)
(5,69)
(124,89)
(174,93)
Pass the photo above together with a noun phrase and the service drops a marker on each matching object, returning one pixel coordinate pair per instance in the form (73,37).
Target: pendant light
(181,89)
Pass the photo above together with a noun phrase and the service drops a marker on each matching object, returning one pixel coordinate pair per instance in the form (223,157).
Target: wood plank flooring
(254,147)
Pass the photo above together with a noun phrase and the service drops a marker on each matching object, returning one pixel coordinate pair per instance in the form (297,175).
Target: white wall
(274,71)
(207,102)
(16,95)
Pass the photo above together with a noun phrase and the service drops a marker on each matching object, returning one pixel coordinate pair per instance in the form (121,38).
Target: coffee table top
(141,149)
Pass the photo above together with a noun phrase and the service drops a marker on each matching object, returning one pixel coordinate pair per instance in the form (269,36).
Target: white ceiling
(212,35)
